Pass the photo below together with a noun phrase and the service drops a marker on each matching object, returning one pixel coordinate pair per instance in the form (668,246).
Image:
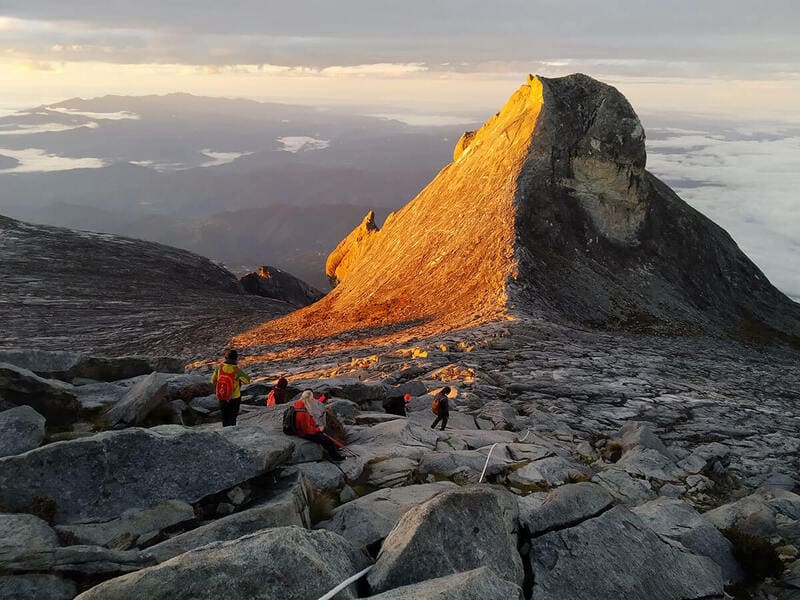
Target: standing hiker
(227,379)
(277,395)
(310,424)
(441,407)
(397,406)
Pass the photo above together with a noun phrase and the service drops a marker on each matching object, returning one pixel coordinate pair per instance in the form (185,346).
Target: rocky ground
(576,464)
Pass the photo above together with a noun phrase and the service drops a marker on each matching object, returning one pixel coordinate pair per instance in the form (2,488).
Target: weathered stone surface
(36,587)
(563,507)
(138,402)
(478,584)
(550,471)
(53,399)
(617,551)
(90,561)
(322,476)
(642,435)
(350,250)
(271,282)
(21,429)
(623,487)
(188,386)
(679,521)
(762,513)
(367,520)
(457,530)
(287,505)
(463,465)
(286,563)
(100,477)
(393,472)
(21,534)
(125,530)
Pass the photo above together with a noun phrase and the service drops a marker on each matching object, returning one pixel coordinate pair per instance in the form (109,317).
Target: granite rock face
(271,282)
(340,262)
(21,429)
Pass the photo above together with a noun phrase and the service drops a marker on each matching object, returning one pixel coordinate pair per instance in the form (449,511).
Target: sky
(700,55)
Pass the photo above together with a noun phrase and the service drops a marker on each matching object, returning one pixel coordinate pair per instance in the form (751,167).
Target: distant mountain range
(230,179)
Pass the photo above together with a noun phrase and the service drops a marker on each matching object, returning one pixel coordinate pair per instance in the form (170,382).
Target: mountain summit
(547,211)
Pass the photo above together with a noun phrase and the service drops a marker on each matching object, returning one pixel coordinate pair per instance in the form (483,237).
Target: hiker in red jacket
(277,395)
(227,379)
(310,424)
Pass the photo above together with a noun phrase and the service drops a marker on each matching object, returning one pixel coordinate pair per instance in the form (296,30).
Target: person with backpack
(397,406)
(227,379)
(309,424)
(441,407)
(277,395)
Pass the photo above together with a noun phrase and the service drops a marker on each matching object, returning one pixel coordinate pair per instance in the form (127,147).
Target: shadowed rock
(478,584)
(271,282)
(53,399)
(21,429)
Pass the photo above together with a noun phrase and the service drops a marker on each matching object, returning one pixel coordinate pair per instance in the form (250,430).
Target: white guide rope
(345,583)
(487,463)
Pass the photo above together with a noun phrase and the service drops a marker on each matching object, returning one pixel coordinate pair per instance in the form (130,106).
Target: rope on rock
(487,462)
(345,583)
(524,437)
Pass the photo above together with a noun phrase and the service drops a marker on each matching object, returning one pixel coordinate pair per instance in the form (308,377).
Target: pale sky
(715,56)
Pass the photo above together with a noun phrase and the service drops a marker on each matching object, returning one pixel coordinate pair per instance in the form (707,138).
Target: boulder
(286,505)
(764,513)
(457,530)
(322,476)
(563,507)
(286,563)
(642,435)
(479,584)
(100,477)
(21,534)
(21,429)
(67,366)
(36,587)
(271,282)
(463,465)
(187,386)
(393,472)
(124,531)
(501,415)
(55,400)
(623,487)
(368,520)
(548,472)
(616,551)
(679,521)
(85,561)
(139,402)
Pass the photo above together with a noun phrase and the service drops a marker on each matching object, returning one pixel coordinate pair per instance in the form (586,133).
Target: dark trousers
(230,410)
(443,418)
(324,441)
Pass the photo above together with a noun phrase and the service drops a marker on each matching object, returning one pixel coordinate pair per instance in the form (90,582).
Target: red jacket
(304,422)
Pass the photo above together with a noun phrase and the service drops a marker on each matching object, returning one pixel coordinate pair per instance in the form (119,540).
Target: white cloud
(297,143)
(109,116)
(221,158)
(44,128)
(32,160)
(747,181)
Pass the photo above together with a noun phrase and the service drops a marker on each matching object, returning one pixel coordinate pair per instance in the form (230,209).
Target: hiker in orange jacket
(310,424)
(277,394)
(228,375)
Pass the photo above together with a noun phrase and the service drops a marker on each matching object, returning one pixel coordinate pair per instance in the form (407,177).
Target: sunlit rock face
(546,210)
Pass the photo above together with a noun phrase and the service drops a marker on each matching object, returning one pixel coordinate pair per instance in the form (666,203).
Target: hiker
(397,406)
(441,407)
(324,397)
(227,379)
(277,395)
(310,424)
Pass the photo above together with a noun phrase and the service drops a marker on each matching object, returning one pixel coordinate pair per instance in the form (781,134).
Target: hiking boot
(338,457)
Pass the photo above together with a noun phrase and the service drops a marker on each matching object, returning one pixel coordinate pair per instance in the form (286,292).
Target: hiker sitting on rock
(227,379)
(441,407)
(277,395)
(310,423)
(397,406)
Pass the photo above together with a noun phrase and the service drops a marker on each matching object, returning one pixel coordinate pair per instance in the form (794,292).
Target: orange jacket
(304,422)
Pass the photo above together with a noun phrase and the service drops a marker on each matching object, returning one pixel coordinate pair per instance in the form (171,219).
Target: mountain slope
(548,211)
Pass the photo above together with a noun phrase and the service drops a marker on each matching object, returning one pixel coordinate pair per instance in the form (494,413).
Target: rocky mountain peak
(546,211)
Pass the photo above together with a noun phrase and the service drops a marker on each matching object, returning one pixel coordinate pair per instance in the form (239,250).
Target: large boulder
(36,587)
(562,507)
(21,534)
(139,402)
(369,519)
(286,506)
(616,551)
(287,563)
(53,399)
(457,530)
(21,429)
(766,513)
(100,477)
(479,584)
(680,522)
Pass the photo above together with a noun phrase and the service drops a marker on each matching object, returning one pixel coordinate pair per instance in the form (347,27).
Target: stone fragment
(285,563)
(563,507)
(369,519)
(99,477)
(479,584)
(617,551)
(623,487)
(679,521)
(21,429)
(761,513)
(457,530)
(139,402)
(54,400)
